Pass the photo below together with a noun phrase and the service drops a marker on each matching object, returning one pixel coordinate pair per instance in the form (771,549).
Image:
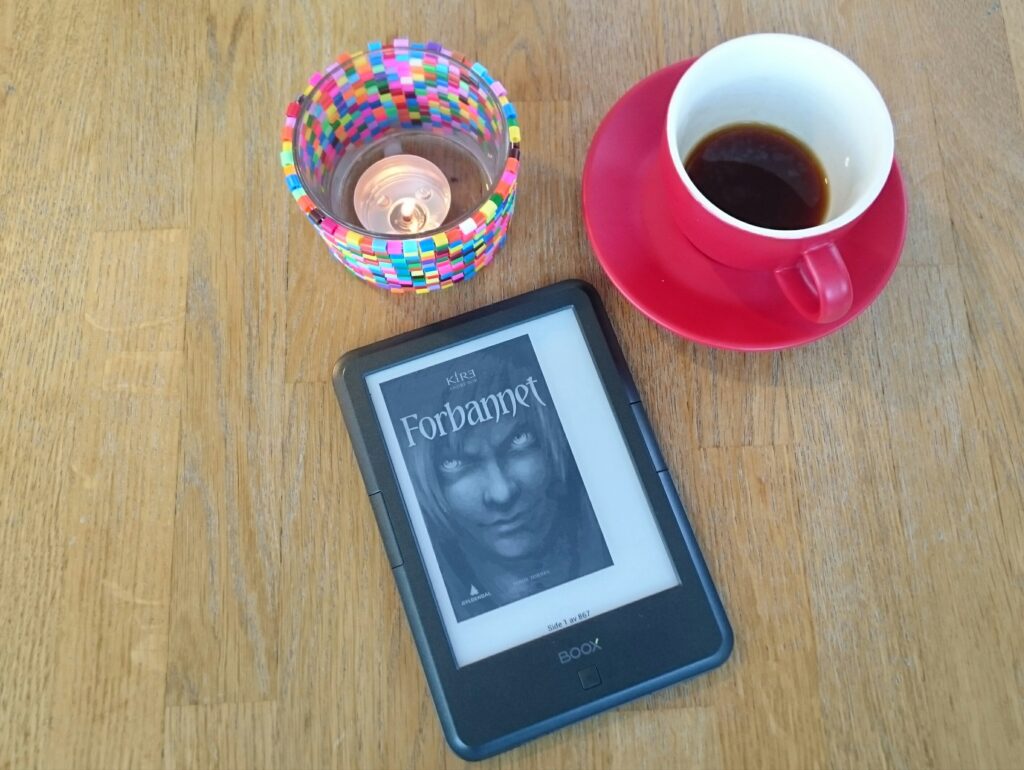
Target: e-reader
(542,555)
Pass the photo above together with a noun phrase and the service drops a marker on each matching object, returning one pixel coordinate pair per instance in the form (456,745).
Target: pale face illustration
(496,488)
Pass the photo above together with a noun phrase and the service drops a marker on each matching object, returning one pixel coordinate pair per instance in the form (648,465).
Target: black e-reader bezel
(511,697)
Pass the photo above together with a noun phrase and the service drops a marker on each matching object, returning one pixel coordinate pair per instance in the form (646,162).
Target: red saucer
(668,279)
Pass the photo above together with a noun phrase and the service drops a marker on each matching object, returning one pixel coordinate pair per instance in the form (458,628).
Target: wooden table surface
(190,574)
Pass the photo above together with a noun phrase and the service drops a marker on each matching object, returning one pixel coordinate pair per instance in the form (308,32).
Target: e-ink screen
(520,488)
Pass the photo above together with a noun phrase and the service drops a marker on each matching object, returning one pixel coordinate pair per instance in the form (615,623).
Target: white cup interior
(804,88)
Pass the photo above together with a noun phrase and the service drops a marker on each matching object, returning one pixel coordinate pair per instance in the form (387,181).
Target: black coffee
(761,175)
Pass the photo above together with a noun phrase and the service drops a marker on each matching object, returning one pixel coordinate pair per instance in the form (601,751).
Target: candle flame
(407,210)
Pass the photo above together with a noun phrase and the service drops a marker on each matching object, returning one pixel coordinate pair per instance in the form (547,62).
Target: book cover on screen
(494,475)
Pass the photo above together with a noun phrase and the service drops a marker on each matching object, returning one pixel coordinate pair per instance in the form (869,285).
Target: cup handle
(818,285)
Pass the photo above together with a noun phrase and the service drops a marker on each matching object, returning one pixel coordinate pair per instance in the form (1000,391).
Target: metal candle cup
(402,194)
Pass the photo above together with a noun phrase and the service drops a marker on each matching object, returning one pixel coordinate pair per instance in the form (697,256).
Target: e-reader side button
(649,438)
(590,677)
(387,533)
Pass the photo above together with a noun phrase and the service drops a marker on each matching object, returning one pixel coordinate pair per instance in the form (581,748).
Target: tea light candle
(402,195)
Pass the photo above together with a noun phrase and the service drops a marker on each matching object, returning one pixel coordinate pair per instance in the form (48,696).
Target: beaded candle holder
(404,158)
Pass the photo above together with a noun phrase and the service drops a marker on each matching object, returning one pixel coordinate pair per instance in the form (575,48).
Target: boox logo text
(575,653)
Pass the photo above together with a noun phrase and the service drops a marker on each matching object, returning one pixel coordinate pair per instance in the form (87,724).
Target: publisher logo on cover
(475,595)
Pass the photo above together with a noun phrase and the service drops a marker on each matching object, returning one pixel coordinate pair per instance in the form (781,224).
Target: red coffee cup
(819,96)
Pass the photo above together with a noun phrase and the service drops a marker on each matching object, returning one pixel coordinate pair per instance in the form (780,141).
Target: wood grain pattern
(224,599)
(111,657)
(191,576)
(233,736)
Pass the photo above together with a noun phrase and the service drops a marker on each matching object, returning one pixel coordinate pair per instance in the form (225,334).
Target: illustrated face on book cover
(500,490)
